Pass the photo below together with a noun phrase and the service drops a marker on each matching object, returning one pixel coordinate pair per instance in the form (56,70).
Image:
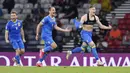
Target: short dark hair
(13,12)
(91,6)
(50,8)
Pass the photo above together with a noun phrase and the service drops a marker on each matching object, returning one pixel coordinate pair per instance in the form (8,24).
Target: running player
(13,34)
(47,24)
(87,22)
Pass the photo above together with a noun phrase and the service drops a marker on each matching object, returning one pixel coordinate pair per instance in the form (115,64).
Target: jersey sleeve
(44,20)
(7,27)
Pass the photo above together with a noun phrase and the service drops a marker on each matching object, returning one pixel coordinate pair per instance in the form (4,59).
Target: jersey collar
(14,21)
(51,17)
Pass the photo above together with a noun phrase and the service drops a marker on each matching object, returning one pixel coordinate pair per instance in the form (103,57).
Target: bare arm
(101,25)
(60,29)
(22,33)
(6,36)
(38,30)
(68,15)
(83,18)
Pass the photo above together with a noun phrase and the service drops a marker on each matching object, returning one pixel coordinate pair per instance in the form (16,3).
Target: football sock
(94,52)
(17,57)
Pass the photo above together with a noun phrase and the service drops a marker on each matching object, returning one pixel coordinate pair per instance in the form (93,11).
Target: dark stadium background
(32,11)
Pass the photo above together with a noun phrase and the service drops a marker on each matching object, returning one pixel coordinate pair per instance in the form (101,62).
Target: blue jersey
(48,24)
(14,29)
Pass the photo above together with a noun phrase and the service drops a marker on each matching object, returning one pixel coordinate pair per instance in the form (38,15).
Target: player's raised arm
(63,30)
(101,25)
(79,24)
(22,33)
(83,18)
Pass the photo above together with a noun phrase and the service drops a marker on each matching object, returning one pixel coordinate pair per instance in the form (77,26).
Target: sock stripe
(83,48)
(93,47)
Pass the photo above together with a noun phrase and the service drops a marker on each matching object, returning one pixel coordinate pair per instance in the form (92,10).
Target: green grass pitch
(61,69)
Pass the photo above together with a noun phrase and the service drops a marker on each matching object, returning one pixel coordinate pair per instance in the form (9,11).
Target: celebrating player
(87,22)
(47,24)
(13,34)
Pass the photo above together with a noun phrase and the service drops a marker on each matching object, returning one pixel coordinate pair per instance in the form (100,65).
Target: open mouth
(54,12)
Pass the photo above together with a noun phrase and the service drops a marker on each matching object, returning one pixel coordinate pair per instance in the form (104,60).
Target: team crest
(18,23)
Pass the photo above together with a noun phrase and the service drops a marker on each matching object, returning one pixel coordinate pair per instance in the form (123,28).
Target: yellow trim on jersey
(93,46)
(6,31)
(22,27)
(15,21)
(42,42)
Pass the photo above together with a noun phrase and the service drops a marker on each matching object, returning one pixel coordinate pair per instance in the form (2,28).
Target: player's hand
(110,27)
(24,40)
(7,41)
(36,37)
(68,29)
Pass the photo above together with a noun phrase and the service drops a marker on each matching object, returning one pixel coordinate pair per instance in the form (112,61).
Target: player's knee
(54,45)
(93,46)
(22,51)
(17,52)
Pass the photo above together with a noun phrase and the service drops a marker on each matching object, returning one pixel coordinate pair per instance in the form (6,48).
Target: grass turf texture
(61,69)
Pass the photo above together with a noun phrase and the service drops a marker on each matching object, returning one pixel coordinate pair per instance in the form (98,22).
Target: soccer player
(47,24)
(86,23)
(13,34)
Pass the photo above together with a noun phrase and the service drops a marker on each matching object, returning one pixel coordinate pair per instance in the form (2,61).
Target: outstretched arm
(101,25)
(60,29)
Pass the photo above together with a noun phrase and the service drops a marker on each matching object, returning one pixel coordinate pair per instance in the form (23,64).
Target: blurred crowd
(69,8)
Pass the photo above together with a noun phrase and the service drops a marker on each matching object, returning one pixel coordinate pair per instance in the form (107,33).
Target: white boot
(99,63)
(68,54)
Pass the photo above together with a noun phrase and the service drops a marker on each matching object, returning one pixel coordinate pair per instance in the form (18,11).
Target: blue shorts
(17,44)
(47,40)
(86,36)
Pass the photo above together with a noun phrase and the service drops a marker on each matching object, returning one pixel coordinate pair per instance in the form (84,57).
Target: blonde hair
(91,6)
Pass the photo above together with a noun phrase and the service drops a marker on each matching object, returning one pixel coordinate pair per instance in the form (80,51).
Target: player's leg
(47,49)
(87,37)
(16,59)
(21,46)
(49,46)
(22,51)
(95,54)
(41,52)
(77,50)
(84,47)
(41,58)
